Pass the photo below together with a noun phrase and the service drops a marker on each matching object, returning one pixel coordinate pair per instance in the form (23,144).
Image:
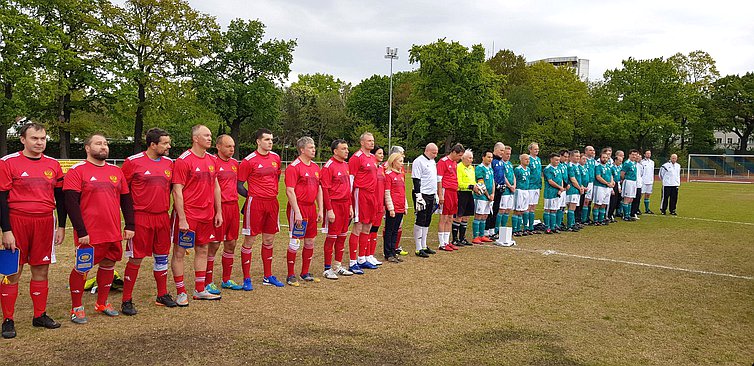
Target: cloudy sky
(348,38)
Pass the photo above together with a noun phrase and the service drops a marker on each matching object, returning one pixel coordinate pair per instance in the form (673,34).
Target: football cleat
(9,329)
(272,281)
(128,308)
(421,253)
(182,299)
(45,321)
(78,315)
(205,295)
(166,301)
(292,281)
(343,271)
(367,265)
(106,309)
(356,269)
(330,274)
(309,278)
(232,285)
(247,286)
(212,288)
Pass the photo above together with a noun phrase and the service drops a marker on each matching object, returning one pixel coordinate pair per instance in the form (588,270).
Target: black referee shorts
(465,204)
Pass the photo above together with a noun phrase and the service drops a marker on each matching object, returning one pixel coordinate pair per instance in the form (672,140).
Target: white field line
(710,220)
(649,265)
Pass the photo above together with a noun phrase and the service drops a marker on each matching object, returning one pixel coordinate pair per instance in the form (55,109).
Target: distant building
(580,66)
(729,141)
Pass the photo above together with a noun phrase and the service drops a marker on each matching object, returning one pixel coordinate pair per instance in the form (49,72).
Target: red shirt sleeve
(72,181)
(180,172)
(128,170)
(325,182)
(123,183)
(58,175)
(6,182)
(353,165)
(291,176)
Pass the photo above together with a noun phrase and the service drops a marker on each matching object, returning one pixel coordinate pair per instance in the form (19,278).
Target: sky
(348,38)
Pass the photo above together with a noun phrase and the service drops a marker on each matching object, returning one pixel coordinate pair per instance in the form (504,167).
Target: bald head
(431,150)
(673,158)
(498,149)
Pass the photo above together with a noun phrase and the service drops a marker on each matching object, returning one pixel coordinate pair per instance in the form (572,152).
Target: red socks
(398,242)
(246,261)
(210,269)
(306,256)
(340,245)
(363,244)
(199,280)
(161,278)
(291,262)
(372,243)
(129,280)
(353,246)
(228,265)
(76,284)
(180,287)
(8,296)
(38,292)
(267,261)
(329,246)
(104,282)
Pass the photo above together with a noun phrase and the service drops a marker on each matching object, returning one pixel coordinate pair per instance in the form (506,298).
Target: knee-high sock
(227,264)
(291,261)
(504,219)
(462,230)
(418,232)
(353,247)
(306,259)
(646,204)
(76,284)
(180,286)
(363,245)
(340,245)
(454,230)
(246,261)
(498,221)
(559,218)
(267,260)
(38,291)
(372,243)
(329,248)
(8,296)
(104,282)
(398,241)
(200,278)
(129,280)
(210,270)
(571,218)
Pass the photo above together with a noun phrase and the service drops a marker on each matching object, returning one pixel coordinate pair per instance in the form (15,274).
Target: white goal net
(720,168)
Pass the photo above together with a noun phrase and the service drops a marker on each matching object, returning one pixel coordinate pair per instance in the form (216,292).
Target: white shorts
(521,200)
(533,196)
(563,200)
(506,202)
(482,207)
(552,204)
(647,188)
(629,188)
(589,191)
(602,195)
(573,198)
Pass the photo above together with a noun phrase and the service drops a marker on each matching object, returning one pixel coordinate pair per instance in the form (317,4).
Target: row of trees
(89,65)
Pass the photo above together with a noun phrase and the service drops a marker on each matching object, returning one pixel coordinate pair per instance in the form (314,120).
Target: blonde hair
(393,157)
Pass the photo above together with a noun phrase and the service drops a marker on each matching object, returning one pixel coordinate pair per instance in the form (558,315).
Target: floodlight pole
(392,54)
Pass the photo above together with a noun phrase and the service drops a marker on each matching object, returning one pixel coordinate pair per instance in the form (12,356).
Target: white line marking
(710,220)
(602,259)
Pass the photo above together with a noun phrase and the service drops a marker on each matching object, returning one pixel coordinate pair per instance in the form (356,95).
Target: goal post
(720,168)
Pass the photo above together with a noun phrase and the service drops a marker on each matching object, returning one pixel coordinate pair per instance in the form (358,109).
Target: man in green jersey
(563,168)
(628,177)
(573,194)
(520,199)
(589,195)
(603,184)
(483,199)
(535,184)
(552,192)
(615,194)
(509,187)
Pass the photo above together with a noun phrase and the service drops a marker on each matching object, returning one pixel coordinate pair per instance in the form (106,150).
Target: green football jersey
(590,164)
(551,172)
(616,172)
(604,171)
(573,172)
(535,173)
(630,168)
(510,177)
(485,173)
(583,177)
(522,176)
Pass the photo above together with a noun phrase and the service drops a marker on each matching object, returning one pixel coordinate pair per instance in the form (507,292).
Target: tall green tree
(733,106)
(240,79)
(146,41)
(457,95)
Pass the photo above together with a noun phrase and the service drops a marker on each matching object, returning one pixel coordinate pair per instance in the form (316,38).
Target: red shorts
(377,219)
(151,235)
(260,216)
(309,214)
(231,216)
(34,235)
(341,209)
(364,206)
(112,251)
(204,231)
(450,206)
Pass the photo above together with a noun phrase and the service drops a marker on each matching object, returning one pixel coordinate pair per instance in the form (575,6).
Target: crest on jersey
(316,174)
(211,168)
(49,173)
(274,164)
(234,169)
(114,179)
(167,173)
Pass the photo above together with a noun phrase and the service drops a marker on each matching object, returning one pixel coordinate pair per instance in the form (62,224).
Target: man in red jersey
(447,190)
(195,193)
(95,192)
(363,169)
(261,172)
(336,197)
(30,189)
(303,190)
(227,176)
(148,175)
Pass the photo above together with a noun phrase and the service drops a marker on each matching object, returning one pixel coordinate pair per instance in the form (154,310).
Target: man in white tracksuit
(670,173)
(648,177)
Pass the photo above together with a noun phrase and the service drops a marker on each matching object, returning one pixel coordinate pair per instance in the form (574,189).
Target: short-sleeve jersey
(31,182)
(447,171)
(573,172)
(304,179)
(197,176)
(363,168)
(629,167)
(397,184)
(535,173)
(563,168)
(484,174)
(261,173)
(510,177)
(551,172)
(604,171)
(227,177)
(100,188)
(616,168)
(583,176)
(149,182)
(522,176)
(425,169)
(335,180)
(590,164)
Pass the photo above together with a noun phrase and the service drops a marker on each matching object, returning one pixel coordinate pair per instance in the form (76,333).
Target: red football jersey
(197,175)
(31,182)
(336,183)
(397,190)
(149,182)
(262,174)
(379,193)
(446,168)
(227,176)
(363,167)
(100,188)
(304,179)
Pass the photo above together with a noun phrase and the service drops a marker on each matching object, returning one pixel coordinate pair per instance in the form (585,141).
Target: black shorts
(465,204)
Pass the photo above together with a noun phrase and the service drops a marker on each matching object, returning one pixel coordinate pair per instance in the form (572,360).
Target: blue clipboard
(186,239)
(9,262)
(84,259)
(299,230)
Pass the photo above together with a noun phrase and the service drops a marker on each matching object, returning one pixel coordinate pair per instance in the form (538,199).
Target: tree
(457,95)
(733,104)
(146,41)
(239,80)
(510,65)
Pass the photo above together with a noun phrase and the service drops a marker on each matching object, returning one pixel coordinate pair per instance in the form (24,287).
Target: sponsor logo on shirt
(147,173)
(24,174)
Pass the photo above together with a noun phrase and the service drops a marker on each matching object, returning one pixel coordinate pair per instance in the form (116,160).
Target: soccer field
(660,291)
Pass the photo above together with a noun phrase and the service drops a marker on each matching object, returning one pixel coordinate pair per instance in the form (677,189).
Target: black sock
(462,231)
(454,231)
